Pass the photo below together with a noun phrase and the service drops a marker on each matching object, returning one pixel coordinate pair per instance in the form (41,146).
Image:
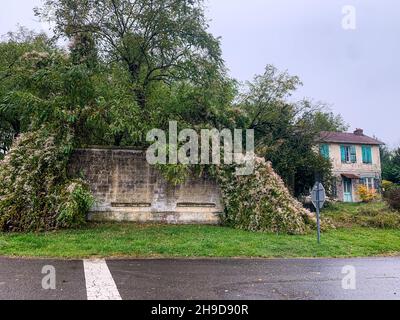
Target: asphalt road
(225,279)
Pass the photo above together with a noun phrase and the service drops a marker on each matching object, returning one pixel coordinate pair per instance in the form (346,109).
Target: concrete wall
(127,188)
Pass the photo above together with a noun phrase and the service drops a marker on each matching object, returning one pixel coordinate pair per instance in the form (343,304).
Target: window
(367,154)
(349,154)
(324,150)
(369,183)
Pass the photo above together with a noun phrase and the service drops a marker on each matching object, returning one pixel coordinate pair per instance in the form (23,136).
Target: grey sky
(356,71)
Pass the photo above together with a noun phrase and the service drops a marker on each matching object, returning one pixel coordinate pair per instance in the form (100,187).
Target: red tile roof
(345,137)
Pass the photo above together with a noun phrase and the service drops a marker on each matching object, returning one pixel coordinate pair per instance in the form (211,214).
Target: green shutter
(353,154)
(343,153)
(324,150)
(367,154)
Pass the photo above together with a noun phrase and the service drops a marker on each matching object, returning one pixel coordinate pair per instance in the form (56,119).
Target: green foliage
(261,202)
(35,192)
(388,185)
(390,164)
(392,197)
(156,40)
(373,215)
(133,66)
(174,174)
(14,119)
(286,132)
(76,202)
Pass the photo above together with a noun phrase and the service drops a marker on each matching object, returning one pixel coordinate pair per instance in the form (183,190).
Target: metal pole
(318,211)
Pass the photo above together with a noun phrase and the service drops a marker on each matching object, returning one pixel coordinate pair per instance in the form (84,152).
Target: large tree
(156,40)
(285,131)
(15,116)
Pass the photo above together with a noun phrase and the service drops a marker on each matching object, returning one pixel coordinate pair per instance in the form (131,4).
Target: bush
(392,197)
(261,202)
(35,192)
(383,220)
(372,215)
(388,185)
(366,195)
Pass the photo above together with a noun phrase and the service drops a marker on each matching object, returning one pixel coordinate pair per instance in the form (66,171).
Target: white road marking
(100,284)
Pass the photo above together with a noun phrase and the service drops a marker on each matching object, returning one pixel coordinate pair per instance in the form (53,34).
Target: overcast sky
(356,71)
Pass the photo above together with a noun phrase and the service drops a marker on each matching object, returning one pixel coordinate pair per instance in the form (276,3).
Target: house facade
(355,159)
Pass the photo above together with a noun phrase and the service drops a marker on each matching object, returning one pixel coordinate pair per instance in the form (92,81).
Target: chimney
(359,132)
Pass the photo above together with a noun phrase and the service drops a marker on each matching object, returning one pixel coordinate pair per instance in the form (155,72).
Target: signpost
(318,197)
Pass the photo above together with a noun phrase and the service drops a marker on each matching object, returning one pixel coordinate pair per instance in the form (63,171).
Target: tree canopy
(132,66)
(390,164)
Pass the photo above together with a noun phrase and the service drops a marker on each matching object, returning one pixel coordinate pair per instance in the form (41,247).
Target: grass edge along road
(191,241)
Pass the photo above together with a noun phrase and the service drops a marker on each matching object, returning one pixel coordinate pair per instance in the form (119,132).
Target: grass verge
(145,241)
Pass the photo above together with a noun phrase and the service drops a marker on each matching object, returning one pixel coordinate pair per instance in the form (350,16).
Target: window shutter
(353,154)
(324,150)
(364,154)
(343,153)
(367,154)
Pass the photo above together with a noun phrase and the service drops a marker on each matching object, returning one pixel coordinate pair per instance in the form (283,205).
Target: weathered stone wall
(127,188)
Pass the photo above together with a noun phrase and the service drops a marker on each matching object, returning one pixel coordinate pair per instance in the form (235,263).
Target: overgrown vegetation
(390,165)
(261,202)
(132,67)
(374,215)
(35,192)
(393,198)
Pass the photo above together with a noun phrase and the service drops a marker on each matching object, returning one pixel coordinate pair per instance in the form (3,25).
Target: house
(356,160)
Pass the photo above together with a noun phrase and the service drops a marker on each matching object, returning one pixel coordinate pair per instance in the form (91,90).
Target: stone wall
(127,188)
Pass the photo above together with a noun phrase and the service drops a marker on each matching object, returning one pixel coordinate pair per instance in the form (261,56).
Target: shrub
(261,202)
(388,185)
(383,220)
(35,192)
(366,195)
(372,215)
(76,202)
(392,197)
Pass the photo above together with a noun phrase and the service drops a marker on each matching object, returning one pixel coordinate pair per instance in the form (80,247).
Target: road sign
(318,195)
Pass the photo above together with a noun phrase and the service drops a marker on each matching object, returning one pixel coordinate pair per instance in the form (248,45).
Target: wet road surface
(222,279)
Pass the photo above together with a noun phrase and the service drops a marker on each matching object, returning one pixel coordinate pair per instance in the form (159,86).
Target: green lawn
(132,240)
(364,230)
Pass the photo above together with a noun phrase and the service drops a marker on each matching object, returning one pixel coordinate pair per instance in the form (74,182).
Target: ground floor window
(369,183)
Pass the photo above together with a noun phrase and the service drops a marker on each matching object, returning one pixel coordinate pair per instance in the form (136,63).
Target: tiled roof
(345,137)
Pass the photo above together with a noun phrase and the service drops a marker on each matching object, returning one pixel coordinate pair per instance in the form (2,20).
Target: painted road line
(100,284)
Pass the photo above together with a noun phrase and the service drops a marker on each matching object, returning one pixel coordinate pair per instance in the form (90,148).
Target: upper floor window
(324,150)
(367,154)
(349,154)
